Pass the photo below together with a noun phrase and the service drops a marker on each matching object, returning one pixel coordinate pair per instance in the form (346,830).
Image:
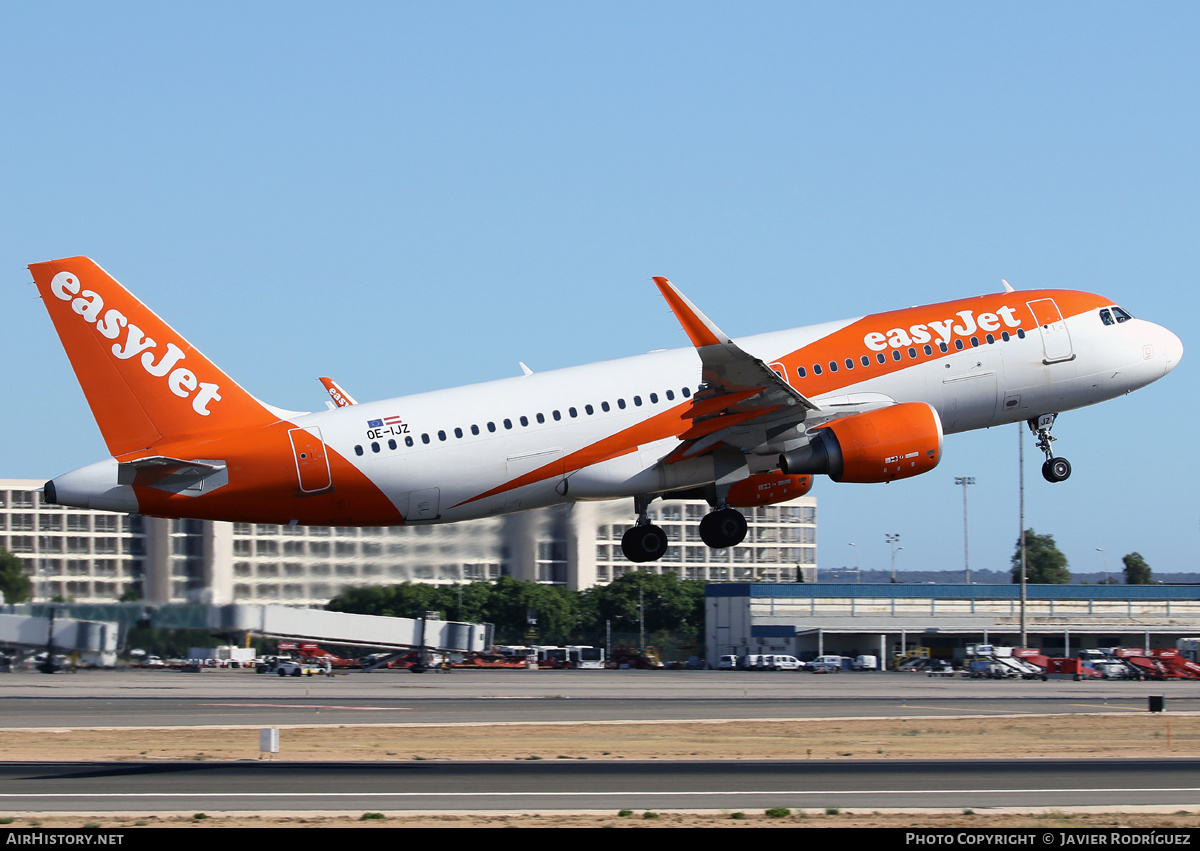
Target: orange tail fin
(143,381)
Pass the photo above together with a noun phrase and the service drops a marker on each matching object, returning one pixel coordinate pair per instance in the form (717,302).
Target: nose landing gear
(1054,469)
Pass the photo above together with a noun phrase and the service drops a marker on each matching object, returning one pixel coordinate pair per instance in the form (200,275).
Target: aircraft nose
(1170,348)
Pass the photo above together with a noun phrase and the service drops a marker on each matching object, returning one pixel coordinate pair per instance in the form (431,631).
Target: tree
(506,603)
(1137,572)
(672,604)
(14,584)
(1044,564)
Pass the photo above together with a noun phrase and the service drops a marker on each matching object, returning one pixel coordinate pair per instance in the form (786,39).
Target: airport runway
(168,698)
(593,785)
(225,698)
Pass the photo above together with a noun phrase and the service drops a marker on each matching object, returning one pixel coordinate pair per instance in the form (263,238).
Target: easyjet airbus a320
(739,423)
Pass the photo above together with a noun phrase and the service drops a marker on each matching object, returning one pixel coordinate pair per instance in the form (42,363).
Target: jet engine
(896,442)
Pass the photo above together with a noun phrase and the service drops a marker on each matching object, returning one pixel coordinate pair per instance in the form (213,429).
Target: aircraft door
(1056,339)
(424,504)
(312,460)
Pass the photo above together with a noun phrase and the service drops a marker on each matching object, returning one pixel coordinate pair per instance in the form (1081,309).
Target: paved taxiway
(507,786)
(170,698)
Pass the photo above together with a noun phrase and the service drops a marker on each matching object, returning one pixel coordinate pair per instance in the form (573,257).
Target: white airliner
(739,423)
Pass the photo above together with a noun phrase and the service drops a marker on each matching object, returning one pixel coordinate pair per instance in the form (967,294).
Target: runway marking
(968,709)
(313,706)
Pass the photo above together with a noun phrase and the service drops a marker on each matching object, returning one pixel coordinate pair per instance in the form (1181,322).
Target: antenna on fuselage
(1008,288)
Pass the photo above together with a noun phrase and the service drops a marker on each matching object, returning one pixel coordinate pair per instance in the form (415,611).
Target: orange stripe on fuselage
(878,332)
(667,424)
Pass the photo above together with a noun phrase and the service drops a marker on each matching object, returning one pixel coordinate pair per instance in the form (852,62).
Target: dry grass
(1141,735)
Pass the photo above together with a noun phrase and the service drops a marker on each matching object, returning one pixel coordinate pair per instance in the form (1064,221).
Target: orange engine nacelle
(768,489)
(891,443)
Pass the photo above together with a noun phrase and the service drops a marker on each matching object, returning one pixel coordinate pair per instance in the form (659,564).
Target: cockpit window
(1106,316)
(1121,315)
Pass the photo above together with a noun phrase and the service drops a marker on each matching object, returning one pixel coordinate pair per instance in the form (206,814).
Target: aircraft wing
(743,401)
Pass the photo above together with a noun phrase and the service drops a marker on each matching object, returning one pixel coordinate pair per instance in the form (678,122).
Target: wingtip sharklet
(701,330)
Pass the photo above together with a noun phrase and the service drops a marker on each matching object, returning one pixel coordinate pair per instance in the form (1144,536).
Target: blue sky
(411,196)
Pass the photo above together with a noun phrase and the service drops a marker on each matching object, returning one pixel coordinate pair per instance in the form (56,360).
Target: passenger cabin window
(458,432)
(524,420)
(687,394)
(474,429)
(604,406)
(670,395)
(801,371)
(508,423)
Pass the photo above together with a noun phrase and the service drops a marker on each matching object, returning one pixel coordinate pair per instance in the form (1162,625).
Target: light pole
(964,481)
(893,538)
(857,566)
(1103,553)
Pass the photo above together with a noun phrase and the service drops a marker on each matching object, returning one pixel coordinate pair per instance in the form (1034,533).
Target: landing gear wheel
(1056,469)
(724,528)
(644,543)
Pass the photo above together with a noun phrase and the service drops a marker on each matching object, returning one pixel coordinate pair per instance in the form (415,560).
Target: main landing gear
(1054,469)
(725,527)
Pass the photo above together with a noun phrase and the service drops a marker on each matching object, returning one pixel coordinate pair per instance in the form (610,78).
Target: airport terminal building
(884,620)
(100,556)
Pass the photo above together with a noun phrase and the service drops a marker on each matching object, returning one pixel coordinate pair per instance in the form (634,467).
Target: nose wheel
(1054,469)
